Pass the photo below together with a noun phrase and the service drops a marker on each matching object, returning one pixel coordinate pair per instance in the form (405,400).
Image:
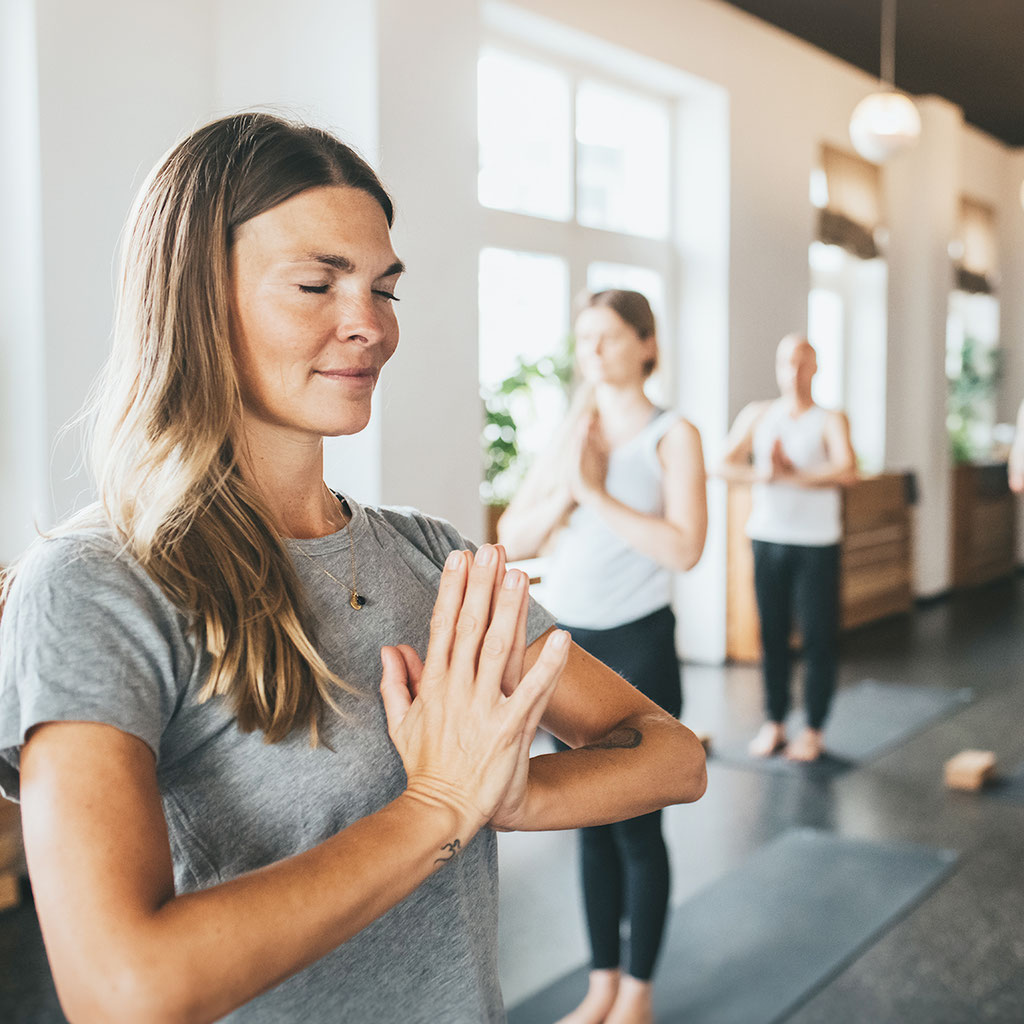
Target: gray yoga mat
(1008,787)
(866,720)
(751,947)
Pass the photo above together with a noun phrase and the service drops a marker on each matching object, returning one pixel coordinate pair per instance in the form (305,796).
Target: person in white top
(618,503)
(797,455)
(1016,460)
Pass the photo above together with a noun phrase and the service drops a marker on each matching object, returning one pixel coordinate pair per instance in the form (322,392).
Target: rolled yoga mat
(757,943)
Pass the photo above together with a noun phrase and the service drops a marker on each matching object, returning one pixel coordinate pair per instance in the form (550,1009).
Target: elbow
(690,778)
(687,552)
(127,996)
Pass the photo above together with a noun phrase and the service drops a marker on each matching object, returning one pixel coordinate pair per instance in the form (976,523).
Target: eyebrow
(345,265)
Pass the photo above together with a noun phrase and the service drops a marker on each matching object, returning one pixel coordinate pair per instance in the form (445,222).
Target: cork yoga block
(970,769)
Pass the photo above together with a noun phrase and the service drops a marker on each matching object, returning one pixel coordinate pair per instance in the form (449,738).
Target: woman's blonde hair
(166,415)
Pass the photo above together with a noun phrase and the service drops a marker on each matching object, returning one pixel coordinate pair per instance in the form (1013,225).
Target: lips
(349,373)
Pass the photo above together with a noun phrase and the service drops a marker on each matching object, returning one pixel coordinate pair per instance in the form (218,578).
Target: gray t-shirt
(88,636)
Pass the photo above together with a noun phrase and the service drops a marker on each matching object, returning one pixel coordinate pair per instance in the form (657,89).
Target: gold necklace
(355,600)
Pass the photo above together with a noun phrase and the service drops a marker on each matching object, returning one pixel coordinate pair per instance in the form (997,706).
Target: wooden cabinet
(875,560)
(983,524)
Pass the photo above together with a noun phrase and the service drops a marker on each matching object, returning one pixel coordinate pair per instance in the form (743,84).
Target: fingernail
(453,559)
(485,556)
(512,579)
(560,639)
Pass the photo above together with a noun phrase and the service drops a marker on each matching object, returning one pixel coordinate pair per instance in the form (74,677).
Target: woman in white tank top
(618,504)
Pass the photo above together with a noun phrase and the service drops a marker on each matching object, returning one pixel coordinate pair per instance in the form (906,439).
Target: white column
(22,391)
(923,191)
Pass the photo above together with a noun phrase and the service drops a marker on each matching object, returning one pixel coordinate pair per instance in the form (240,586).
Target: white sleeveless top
(784,513)
(594,579)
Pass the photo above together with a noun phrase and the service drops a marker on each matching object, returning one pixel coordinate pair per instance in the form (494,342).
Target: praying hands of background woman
(589,465)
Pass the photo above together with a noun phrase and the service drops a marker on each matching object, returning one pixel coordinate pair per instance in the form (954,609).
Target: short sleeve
(86,636)
(437,537)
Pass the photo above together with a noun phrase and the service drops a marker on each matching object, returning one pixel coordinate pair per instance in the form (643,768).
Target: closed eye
(314,289)
(386,295)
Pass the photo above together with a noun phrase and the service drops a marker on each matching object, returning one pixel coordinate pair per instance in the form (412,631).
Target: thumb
(394,688)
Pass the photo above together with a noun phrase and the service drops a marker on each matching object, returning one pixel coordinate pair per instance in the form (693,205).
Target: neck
(621,403)
(798,401)
(288,473)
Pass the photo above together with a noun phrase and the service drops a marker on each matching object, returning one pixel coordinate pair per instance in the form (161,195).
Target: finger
(450,592)
(394,688)
(475,614)
(514,667)
(539,683)
(499,575)
(413,667)
(500,642)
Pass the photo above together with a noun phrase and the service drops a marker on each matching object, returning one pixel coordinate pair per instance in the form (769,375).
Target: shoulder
(434,536)
(65,575)
(752,414)
(835,419)
(679,434)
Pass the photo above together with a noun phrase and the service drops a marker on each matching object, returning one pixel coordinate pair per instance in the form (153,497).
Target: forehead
(595,319)
(793,351)
(328,219)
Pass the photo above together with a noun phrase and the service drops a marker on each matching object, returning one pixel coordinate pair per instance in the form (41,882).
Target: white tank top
(594,579)
(784,513)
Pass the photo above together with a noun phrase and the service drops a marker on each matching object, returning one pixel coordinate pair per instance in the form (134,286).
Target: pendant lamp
(886,122)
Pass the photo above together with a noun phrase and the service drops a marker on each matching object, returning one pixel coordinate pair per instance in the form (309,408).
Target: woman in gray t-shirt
(262,735)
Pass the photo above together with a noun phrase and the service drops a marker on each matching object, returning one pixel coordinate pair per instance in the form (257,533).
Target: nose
(363,319)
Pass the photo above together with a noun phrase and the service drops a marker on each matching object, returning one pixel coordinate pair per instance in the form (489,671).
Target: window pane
(825,329)
(622,158)
(524,127)
(524,325)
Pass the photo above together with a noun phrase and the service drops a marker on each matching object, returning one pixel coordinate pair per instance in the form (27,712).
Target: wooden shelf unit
(875,560)
(983,534)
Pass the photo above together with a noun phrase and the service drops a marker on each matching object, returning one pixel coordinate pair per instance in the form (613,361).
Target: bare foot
(633,1004)
(600,997)
(808,746)
(771,738)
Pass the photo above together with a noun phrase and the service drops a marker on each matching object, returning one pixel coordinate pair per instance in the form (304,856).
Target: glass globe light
(884,124)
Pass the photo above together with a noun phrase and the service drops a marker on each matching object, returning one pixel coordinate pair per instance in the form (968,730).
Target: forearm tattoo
(453,848)
(623,738)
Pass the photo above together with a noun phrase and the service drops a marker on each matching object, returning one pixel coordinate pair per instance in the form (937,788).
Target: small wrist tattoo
(624,738)
(453,848)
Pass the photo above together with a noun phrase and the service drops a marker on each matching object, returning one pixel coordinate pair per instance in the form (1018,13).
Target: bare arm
(1016,461)
(675,539)
(630,756)
(124,947)
(736,465)
(531,518)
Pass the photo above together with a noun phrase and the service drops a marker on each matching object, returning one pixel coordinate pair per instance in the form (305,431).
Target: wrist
(449,808)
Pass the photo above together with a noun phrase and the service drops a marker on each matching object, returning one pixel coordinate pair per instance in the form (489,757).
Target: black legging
(625,865)
(803,578)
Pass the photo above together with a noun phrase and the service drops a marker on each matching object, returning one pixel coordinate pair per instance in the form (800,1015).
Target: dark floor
(956,958)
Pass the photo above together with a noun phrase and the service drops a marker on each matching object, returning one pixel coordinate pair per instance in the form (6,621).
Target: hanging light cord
(888,57)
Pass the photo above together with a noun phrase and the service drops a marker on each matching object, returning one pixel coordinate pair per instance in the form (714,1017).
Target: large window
(575,175)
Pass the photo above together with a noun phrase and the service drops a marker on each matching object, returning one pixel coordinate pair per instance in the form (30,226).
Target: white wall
(117,83)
